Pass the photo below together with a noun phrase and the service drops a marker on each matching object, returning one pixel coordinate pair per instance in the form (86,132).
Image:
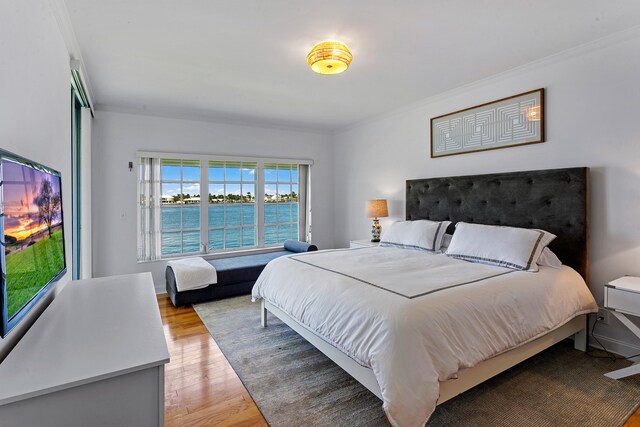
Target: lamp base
(375,230)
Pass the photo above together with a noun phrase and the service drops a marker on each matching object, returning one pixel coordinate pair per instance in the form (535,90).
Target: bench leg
(263,314)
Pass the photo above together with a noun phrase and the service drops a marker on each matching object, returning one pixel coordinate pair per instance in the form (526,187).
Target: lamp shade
(377,208)
(329,57)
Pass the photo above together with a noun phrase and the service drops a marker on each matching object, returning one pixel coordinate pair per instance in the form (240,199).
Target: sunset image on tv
(34,246)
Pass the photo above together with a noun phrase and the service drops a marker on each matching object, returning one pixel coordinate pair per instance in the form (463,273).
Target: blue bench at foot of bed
(236,275)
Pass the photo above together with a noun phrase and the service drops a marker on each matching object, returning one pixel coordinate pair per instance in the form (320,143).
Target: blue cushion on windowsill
(296,246)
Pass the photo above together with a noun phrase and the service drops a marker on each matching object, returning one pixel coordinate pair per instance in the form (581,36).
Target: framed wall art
(507,122)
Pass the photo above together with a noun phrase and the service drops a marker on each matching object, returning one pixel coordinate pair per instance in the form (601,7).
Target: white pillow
(511,247)
(422,234)
(446,241)
(549,259)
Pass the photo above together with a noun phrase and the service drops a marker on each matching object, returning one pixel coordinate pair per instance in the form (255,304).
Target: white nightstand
(363,244)
(622,297)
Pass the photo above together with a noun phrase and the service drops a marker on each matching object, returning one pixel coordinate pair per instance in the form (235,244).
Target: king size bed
(418,327)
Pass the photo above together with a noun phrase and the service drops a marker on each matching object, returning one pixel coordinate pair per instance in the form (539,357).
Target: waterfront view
(230,197)
(240,217)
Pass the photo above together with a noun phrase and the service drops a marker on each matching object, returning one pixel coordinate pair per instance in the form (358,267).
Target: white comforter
(415,318)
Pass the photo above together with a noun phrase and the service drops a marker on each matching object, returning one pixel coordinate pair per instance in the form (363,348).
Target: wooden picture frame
(507,122)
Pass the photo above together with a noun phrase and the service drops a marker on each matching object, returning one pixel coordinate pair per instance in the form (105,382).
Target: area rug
(294,384)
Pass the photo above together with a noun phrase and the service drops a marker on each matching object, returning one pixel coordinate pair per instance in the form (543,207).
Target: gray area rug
(296,385)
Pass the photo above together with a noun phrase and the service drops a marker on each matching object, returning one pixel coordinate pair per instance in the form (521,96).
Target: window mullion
(241,202)
(260,203)
(181,210)
(224,209)
(204,206)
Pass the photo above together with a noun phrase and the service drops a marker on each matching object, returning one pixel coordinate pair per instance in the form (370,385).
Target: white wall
(35,119)
(592,107)
(116,138)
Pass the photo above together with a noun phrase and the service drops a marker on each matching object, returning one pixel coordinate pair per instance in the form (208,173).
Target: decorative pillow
(511,247)
(549,259)
(422,235)
(296,246)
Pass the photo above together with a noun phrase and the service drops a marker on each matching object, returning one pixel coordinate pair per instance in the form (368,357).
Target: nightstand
(622,298)
(363,244)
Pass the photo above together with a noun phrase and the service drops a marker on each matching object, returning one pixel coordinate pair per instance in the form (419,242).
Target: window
(232,205)
(248,204)
(76,202)
(280,203)
(180,214)
(78,102)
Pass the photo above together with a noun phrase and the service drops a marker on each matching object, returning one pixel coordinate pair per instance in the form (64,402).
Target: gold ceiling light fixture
(329,57)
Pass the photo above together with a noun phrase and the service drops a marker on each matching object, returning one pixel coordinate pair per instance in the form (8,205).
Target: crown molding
(61,14)
(564,55)
(218,118)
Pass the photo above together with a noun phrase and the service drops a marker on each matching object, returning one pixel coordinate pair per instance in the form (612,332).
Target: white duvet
(417,319)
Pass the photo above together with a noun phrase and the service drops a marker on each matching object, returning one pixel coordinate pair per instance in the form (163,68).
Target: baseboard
(612,345)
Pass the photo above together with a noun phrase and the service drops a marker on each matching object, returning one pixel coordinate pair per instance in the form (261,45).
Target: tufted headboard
(556,200)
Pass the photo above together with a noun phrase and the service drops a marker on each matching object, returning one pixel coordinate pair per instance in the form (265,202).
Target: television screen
(32,227)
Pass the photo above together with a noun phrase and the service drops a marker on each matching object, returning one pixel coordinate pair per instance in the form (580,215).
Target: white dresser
(95,357)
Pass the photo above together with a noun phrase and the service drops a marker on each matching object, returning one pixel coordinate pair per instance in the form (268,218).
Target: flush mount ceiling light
(329,57)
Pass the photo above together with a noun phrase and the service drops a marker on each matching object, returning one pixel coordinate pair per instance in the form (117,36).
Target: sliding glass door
(76,169)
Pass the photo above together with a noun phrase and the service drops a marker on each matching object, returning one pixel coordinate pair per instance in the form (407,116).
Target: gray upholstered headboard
(556,200)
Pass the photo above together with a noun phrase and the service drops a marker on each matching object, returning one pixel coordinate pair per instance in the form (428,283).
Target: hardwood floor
(634,420)
(201,387)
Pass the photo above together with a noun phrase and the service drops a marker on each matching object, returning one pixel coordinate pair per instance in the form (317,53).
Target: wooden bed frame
(556,200)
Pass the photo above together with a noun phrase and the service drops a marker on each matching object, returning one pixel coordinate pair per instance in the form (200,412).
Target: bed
(417,329)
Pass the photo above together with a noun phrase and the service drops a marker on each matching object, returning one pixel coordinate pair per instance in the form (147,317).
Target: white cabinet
(622,297)
(95,357)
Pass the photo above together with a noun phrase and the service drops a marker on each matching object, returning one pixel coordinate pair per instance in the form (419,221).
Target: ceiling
(244,60)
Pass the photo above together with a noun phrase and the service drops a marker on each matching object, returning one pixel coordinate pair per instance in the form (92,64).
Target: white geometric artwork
(517,120)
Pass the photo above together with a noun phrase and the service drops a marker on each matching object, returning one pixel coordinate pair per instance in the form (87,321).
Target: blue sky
(277,181)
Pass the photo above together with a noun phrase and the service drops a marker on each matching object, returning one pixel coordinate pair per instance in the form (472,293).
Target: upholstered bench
(236,275)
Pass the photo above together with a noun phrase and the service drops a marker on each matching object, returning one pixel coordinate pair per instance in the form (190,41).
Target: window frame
(242,165)
(180,206)
(79,101)
(277,183)
(204,160)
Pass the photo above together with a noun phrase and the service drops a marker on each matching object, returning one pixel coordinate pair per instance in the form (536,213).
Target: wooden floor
(634,421)
(201,387)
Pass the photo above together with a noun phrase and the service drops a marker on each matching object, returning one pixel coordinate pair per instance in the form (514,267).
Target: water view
(242,219)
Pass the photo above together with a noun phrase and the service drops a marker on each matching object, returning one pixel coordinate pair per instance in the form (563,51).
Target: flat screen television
(31,233)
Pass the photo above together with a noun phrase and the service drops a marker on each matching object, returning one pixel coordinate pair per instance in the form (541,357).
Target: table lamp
(376,209)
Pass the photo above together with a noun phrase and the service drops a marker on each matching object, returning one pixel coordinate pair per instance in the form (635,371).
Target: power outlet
(603,316)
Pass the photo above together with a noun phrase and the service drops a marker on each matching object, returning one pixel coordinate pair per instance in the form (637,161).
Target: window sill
(221,254)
